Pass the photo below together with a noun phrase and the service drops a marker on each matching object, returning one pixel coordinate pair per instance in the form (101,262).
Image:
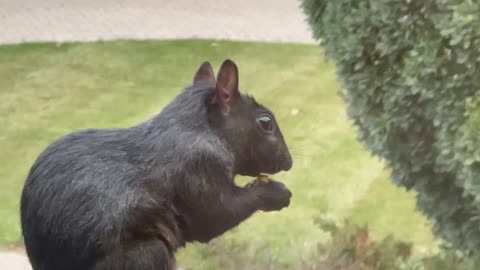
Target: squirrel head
(249,129)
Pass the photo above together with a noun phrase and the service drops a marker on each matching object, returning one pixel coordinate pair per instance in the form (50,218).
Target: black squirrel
(127,199)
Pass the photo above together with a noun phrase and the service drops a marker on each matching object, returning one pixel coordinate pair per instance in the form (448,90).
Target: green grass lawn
(47,91)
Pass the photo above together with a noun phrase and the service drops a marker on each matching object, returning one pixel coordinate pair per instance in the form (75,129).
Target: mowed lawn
(47,91)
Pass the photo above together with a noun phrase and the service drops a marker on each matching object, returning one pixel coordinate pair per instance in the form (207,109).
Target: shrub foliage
(411,76)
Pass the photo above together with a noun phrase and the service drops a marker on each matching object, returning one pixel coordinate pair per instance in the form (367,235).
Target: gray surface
(13,261)
(88,20)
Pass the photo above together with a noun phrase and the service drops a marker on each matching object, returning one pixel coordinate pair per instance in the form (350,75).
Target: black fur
(129,198)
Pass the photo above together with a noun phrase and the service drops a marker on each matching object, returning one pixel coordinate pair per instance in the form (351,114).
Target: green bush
(349,248)
(411,74)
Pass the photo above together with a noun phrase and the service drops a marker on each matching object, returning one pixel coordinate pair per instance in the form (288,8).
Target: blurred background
(377,101)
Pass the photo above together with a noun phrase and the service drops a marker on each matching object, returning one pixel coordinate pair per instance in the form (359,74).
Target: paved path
(89,20)
(14,261)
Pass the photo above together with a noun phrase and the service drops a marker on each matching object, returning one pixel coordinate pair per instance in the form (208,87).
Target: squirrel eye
(265,122)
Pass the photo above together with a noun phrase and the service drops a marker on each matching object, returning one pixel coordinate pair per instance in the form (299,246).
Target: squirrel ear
(227,85)
(204,72)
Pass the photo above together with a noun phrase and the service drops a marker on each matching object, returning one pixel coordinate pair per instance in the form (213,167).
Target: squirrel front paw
(273,195)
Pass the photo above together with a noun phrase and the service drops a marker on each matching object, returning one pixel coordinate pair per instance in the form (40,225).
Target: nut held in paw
(264,178)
